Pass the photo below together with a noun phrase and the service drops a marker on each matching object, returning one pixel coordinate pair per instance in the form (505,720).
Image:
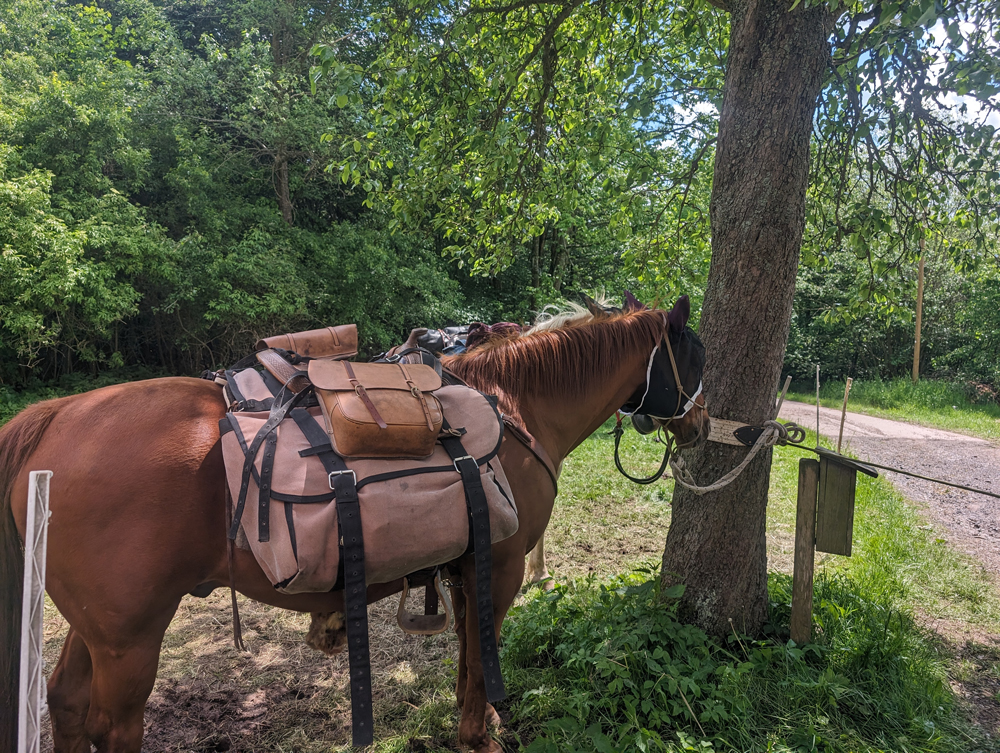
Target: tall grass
(947,405)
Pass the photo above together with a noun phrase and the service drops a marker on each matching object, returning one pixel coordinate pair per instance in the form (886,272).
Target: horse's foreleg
(460,607)
(537,571)
(69,696)
(123,677)
(506,578)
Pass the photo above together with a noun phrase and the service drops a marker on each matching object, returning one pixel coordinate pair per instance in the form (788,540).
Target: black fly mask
(661,397)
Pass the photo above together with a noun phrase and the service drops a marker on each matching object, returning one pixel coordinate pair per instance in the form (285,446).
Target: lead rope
(618,431)
(774,433)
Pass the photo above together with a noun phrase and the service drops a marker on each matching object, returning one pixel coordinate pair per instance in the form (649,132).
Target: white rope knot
(774,433)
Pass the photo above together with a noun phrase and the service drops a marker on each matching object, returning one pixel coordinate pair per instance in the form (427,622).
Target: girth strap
(482,544)
(355,606)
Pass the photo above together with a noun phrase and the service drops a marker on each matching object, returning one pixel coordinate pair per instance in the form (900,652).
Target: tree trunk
(716,542)
(282,190)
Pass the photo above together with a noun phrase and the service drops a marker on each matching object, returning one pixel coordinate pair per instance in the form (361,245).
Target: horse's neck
(562,422)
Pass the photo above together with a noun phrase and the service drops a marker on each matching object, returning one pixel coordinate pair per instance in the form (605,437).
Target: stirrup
(425,624)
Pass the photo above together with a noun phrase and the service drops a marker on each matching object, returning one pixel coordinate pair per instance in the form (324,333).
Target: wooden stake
(920,311)
(817,405)
(843,413)
(805,552)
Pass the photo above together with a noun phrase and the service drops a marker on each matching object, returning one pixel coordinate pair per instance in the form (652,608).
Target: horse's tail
(18,439)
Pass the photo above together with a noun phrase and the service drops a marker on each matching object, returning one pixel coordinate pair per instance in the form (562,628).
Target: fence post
(32,689)
(805,552)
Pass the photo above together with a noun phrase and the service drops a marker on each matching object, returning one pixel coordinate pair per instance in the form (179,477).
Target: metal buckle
(464,457)
(342,473)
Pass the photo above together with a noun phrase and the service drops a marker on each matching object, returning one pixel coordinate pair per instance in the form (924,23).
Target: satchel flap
(329,342)
(332,375)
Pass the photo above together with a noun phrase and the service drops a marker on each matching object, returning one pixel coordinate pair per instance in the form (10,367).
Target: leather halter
(685,402)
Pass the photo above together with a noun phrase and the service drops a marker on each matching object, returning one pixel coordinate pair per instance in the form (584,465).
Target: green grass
(945,405)
(582,662)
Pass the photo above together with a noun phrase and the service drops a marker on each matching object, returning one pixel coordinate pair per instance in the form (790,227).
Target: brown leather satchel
(329,342)
(378,410)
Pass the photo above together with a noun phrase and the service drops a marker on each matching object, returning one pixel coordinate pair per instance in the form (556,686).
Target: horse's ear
(680,314)
(632,303)
(593,306)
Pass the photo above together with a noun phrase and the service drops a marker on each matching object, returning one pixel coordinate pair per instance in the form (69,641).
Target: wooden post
(805,553)
(843,412)
(920,311)
(817,405)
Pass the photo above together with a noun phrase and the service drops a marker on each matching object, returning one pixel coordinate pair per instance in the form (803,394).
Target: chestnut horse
(139,514)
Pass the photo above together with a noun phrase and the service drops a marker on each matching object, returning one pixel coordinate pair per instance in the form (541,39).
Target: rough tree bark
(777,58)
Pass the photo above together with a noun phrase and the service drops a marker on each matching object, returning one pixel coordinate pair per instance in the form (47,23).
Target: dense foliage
(164,199)
(177,179)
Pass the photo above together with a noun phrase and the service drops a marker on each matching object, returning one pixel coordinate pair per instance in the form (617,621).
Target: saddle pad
(413,512)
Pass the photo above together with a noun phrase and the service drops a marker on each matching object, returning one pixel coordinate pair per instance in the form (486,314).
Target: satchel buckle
(464,457)
(342,473)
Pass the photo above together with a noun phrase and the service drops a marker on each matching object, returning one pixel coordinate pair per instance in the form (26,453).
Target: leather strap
(522,436)
(415,391)
(363,394)
(278,412)
(230,545)
(293,378)
(618,431)
(482,544)
(264,486)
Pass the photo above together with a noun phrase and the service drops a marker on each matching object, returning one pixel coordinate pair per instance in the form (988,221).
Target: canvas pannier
(413,512)
(378,410)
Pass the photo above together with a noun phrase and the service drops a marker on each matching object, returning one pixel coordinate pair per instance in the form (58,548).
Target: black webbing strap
(344,485)
(355,607)
(479,532)
(264,498)
(278,413)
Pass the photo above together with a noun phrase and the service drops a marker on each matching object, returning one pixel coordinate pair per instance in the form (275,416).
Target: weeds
(607,667)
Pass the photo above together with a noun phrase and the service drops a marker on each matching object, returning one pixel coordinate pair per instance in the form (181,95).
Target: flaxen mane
(565,359)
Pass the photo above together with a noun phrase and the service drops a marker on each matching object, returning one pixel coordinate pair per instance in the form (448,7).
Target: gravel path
(969,521)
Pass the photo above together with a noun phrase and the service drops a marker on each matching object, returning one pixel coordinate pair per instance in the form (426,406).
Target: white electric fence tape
(32,691)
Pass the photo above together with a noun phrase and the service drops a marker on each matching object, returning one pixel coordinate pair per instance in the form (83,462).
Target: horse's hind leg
(537,571)
(69,696)
(123,677)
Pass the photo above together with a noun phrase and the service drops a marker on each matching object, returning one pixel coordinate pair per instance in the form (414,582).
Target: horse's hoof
(492,717)
(546,583)
(327,633)
(489,746)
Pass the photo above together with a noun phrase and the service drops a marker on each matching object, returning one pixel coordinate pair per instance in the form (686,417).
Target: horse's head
(672,398)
